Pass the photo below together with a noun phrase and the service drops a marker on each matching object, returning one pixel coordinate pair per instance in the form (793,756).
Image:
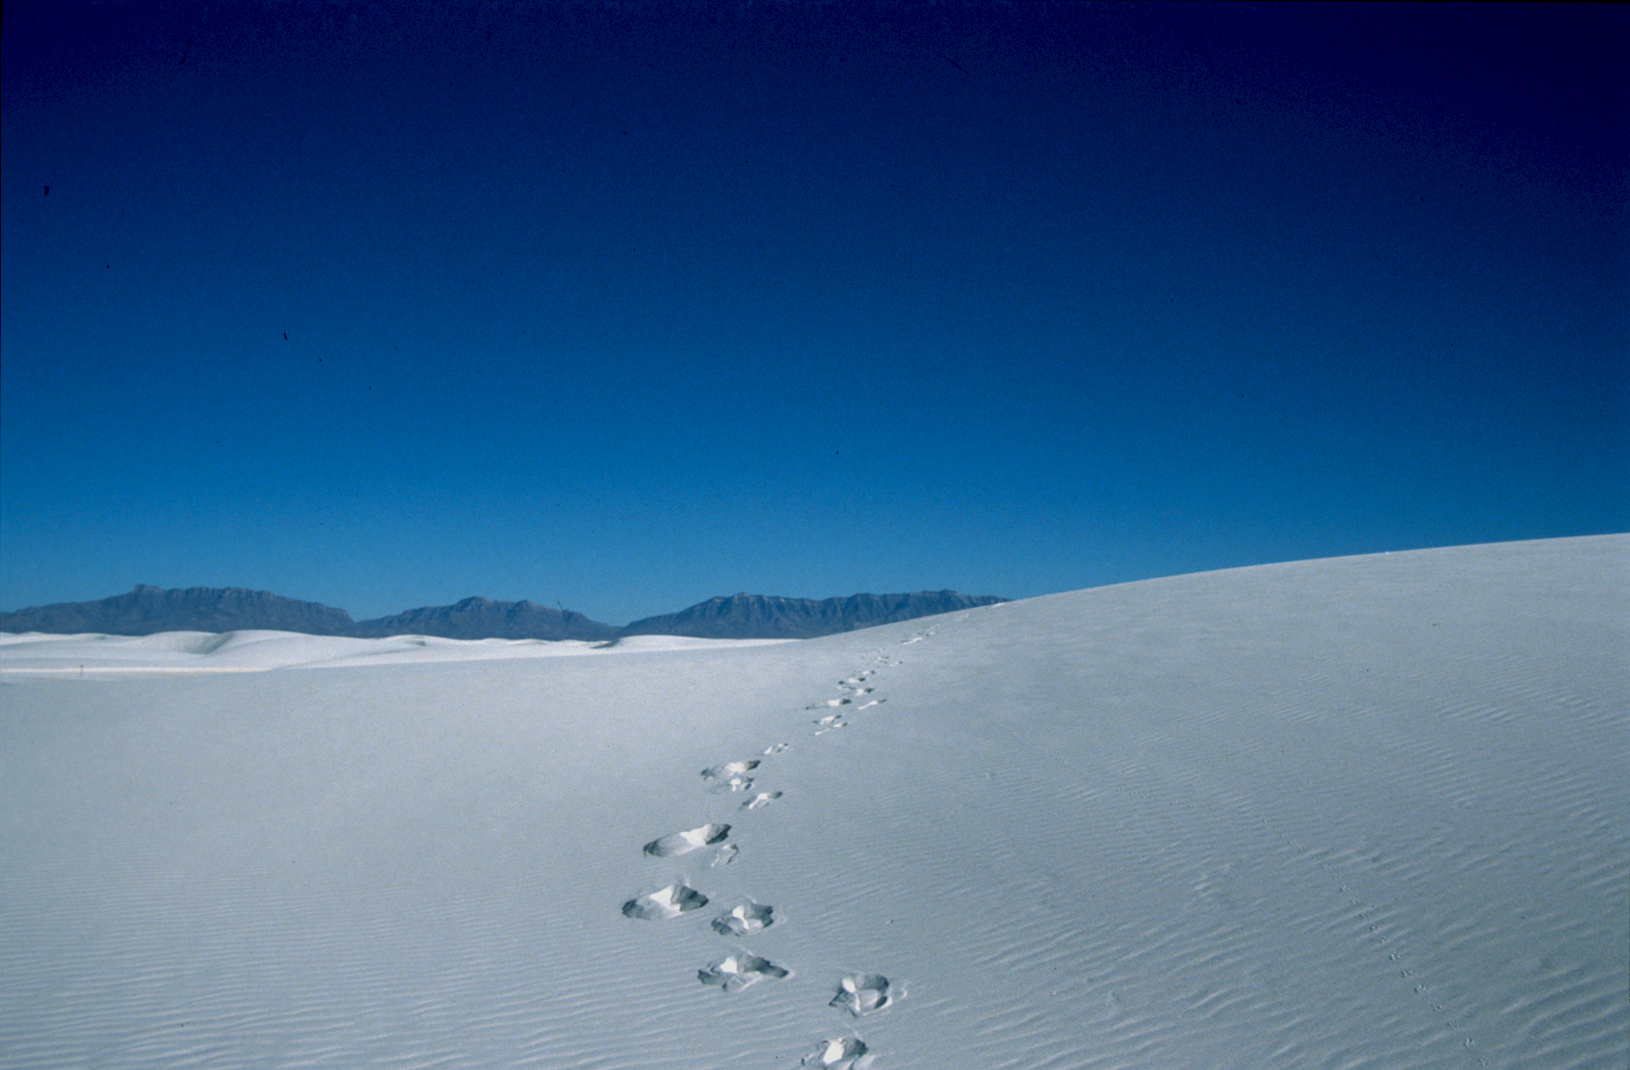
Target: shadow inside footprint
(735,972)
(683,843)
(744,920)
(845,1053)
(669,902)
(863,993)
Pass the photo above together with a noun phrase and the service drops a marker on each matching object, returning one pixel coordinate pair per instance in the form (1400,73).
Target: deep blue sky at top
(627,306)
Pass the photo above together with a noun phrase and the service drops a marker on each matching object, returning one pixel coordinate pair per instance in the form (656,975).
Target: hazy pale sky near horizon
(622,307)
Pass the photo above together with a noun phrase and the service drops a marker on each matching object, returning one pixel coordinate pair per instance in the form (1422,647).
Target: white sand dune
(36,654)
(1364,812)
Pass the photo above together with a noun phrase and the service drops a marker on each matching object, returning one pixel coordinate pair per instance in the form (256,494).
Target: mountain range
(149,610)
(757,616)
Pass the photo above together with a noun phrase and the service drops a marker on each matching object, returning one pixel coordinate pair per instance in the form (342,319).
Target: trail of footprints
(856,994)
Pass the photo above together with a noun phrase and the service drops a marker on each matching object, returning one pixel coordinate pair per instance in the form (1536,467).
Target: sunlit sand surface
(1363,812)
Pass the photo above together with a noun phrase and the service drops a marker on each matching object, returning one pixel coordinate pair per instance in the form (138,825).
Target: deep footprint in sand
(843,1053)
(735,972)
(730,776)
(744,920)
(664,903)
(725,770)
(683,843)
(761,800)
(863,993)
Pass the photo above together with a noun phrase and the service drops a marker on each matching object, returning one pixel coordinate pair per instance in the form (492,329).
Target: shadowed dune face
(1366,811)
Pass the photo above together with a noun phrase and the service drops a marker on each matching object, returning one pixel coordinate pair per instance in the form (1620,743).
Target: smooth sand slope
(1366,812)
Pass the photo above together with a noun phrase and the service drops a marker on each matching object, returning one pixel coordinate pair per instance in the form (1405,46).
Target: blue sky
(625,307)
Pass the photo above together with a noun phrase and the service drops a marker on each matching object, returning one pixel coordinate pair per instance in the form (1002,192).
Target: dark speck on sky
(623,306)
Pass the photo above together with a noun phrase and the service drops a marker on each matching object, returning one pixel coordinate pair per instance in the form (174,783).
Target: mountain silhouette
(150,610)
(482,618)
(757,616)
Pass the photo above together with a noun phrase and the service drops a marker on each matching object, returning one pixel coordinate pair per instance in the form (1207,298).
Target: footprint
(744,920)
(775,748)
(669,902)
(829,723)
(831,703)
(863,993)
(845,1053)
(735,972)
(761,800)
(724,856)
(731,776)
(683,843)
(729,769)
(869,705)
